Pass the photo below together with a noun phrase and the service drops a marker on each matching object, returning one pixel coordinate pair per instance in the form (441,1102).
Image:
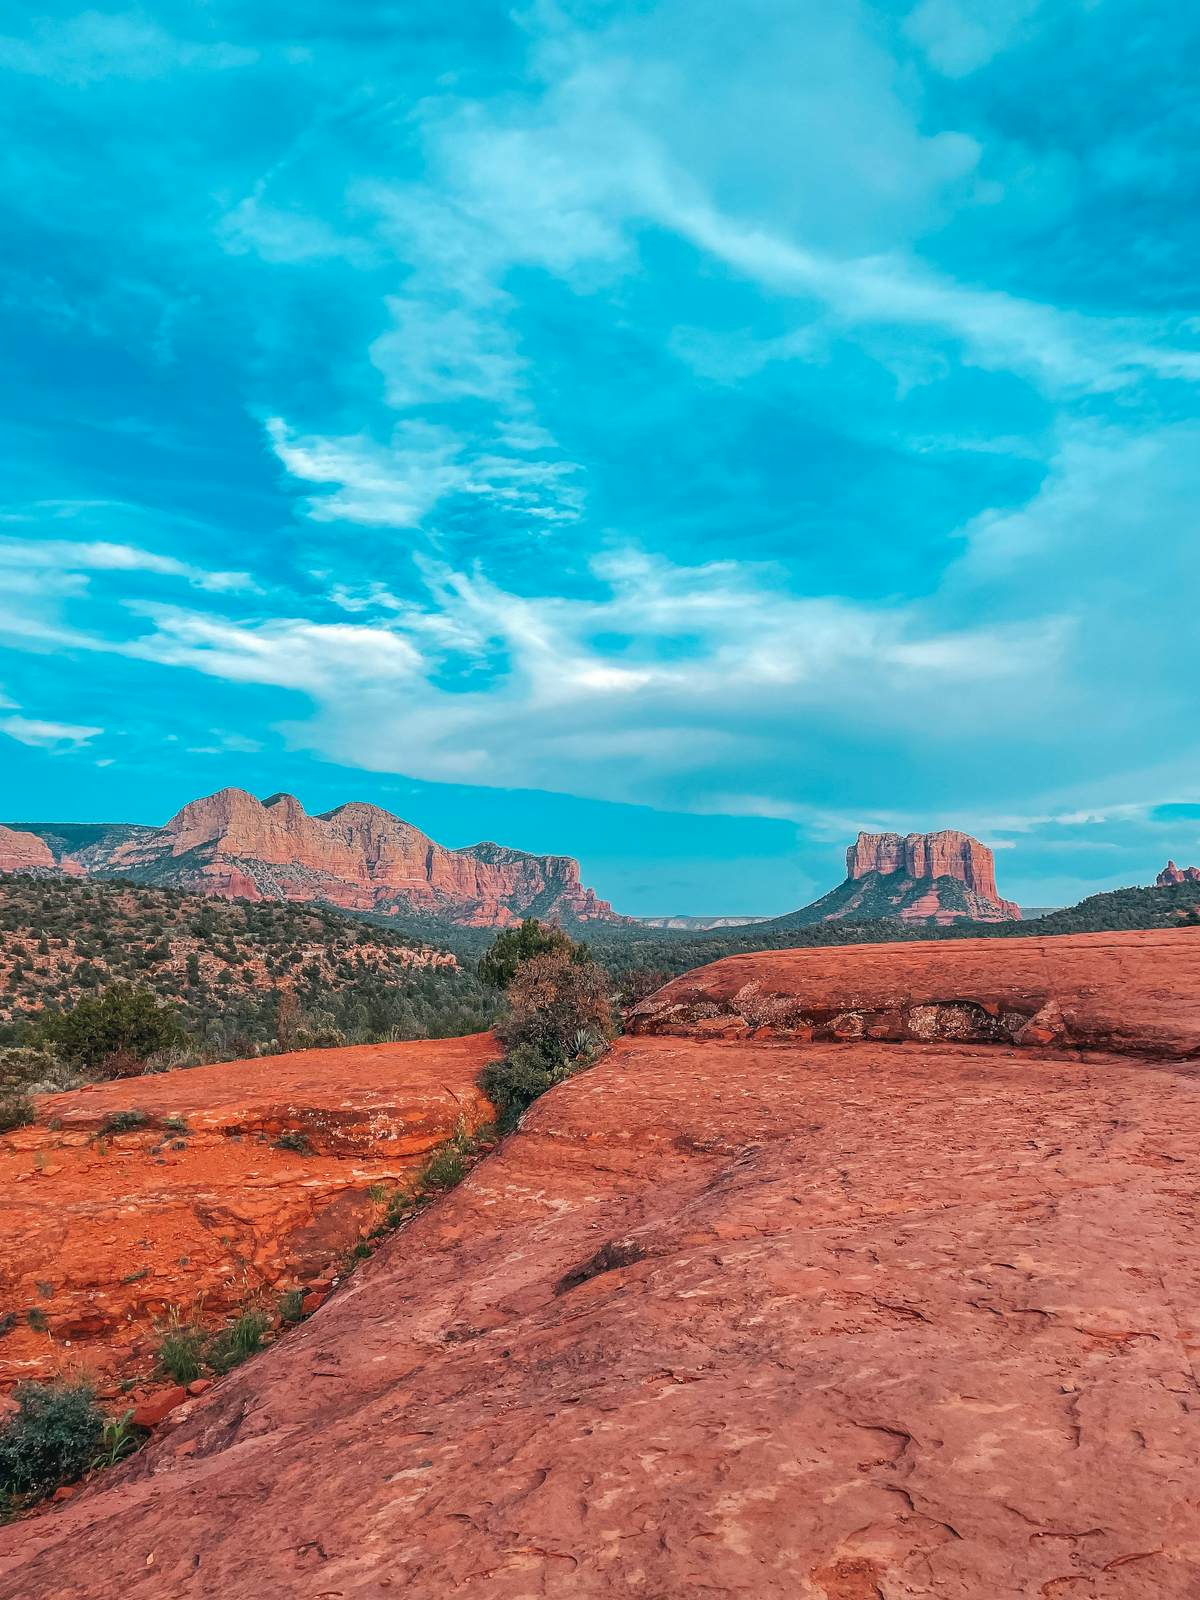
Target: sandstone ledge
(1128,992)
(102,1233)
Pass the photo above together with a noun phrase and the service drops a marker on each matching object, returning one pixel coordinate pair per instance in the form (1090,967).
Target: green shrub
(291,1306)
(52,1439)
(28,1067)
(16,1111)
(118,1439)
(447,1167)
(237,1341)
(552,1000)
(112,1032)
(123,1121)
(512,1085)
(295,1141)
(498,965)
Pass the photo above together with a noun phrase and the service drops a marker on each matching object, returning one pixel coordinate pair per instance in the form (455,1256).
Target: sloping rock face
(105,1228)
(1173,874)
(769,1319)
(24,852)
(945,876)
(356,856)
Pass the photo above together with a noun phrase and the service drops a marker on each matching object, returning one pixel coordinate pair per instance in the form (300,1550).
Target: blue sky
(673,433)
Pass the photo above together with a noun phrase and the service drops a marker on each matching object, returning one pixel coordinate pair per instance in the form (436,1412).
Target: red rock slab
(102,1234)
(1132,992)
(794,1323)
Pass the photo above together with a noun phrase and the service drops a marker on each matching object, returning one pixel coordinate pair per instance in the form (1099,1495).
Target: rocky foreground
(193,1192)
(766,1316)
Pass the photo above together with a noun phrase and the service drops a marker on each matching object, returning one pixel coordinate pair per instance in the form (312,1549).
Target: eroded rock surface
(1138,992)
(940,877)
(760,1318)
(108,1222)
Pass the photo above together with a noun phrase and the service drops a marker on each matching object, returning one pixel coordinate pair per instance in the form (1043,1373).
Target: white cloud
(68,556)
(719,667)
(43,735)
(819,153)
(436,354)
(399,484)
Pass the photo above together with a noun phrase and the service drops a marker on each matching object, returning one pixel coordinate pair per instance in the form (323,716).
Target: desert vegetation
(105,977)
(559,1015)
(55,1435)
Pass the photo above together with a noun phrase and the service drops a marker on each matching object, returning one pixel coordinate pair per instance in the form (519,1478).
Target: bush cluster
(241,978)
(53,1438)
(559,1015)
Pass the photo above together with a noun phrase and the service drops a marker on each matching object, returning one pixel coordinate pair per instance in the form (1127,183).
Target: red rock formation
(924,858)
(24,852)
(356,856)
(1172,874)
(1126,992)
(104,1232)
(831,1321)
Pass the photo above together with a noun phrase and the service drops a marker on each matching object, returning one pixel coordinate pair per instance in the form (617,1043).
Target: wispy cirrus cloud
(45,735)
(79,556)
(398,484)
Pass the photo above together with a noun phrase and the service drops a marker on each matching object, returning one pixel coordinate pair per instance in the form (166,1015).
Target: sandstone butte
(104,1234)
(356,856)
(918,859)
(745,1316)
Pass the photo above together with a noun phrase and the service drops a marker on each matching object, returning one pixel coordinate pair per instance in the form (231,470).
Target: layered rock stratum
(356,856)
(934,878)
(198,1191)
(760,1316)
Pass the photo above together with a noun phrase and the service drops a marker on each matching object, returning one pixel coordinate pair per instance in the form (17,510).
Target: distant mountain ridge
(357,856)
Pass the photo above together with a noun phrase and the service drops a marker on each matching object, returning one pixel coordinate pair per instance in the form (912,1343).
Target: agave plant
(584,1042)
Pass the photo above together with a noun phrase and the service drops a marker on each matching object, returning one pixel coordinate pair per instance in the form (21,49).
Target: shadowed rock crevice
(610,1257)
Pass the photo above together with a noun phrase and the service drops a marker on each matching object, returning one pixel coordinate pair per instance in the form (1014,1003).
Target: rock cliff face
(1173,874)
(756,1317)
(356,856)
(919,877)
(24,852)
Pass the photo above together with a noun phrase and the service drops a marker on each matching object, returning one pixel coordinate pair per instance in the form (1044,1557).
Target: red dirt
(101,1234)
(770,1319)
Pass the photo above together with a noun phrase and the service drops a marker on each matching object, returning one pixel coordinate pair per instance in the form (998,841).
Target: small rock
(150,1412)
